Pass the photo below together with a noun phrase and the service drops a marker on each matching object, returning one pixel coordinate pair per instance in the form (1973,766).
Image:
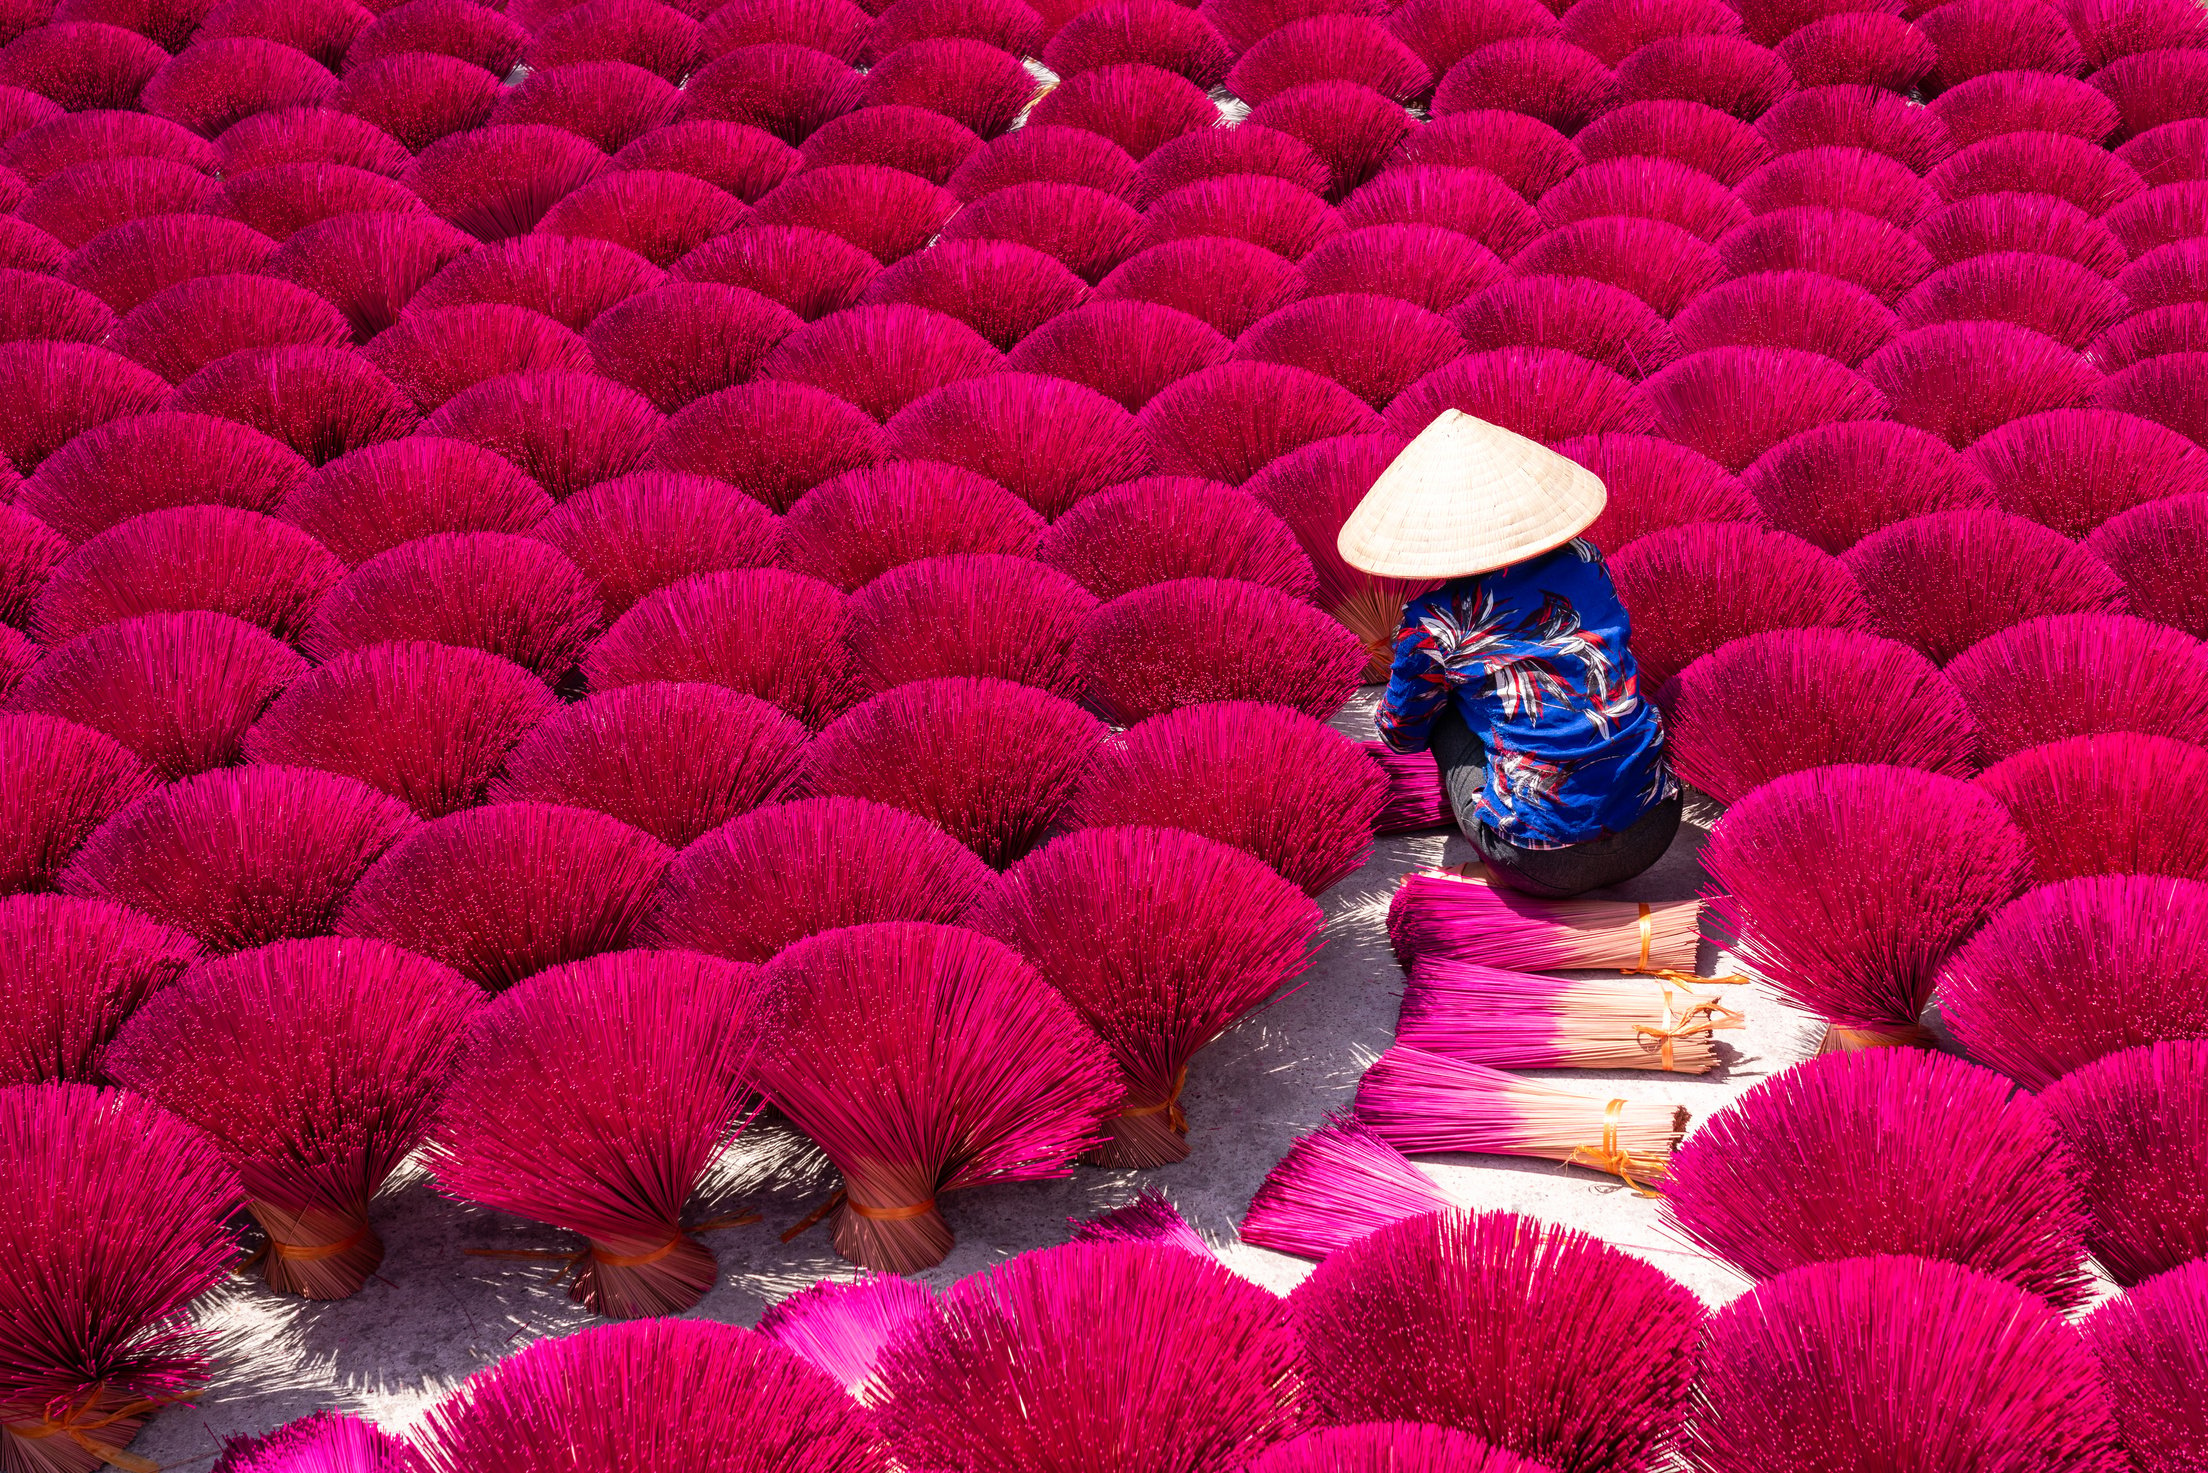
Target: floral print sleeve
(1535,658)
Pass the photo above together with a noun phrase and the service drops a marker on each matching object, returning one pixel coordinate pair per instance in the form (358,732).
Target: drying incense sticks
(1459,914)
(1513,1020)
(1418,1101)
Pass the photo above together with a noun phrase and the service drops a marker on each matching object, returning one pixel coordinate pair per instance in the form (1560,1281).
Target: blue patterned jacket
(1535,657)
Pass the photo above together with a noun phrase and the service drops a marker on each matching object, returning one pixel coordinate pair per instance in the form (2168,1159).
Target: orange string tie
(1648,936)
(1610,1156)
(592,1254)
(890,1214)
(1702,1015)
(69,1425)
(1171,1109)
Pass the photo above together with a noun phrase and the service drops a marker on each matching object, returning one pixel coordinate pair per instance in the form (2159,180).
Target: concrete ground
(433,1314)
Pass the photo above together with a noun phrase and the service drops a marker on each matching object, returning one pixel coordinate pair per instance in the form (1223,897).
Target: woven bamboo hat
(1468,497)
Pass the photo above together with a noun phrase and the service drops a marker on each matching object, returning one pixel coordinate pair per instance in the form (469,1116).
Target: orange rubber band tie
(591,1254)
(1176,1117)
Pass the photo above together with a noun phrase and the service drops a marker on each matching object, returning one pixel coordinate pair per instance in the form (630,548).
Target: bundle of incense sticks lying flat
(1514,1020)
(1418,1101)
(1459,914)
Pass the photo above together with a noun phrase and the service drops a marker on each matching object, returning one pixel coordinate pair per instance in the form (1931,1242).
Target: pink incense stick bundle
(514,597)
(1375,346)
(1334,1186)
(376,499)
(2068,302)
(1229,422)
(153,462)
(1161,940)
(970,614)
(1544,394)
(1216,152)
(1645,188)
(502,892)
(2039,223)
(1161,528)
(886,213)
(2182,328)
(1126,350)
(1880,258)
(1945,581)
(1225,283)
(2132,1121)
(1086,231)
(1033,154)
(1723,401)
(734,1400)
(1859,116)
(1538,1339)
(924,1059)
(1422,1102)
(2110,804)
(1001,289)
(881,358)
(2075,469)
(2027,684)
(177,690)
(314,1066)
(1392,1447)
(426,723)
(773,877)
(1424,265)
(1604,324)
(2030,993)
(415,98)
(179,331)
(992,763)
(1197,640)
(919,141)
(1695,586)
(1653,484)
(1310,817)
(1844,888)
(1690,133)
(671,760)
(320,1442)
(677,343)
(565,430)
(215,558)
(2151,548)
(1048,441)
(1886,1151)
(93,1334)
(849,531)
(1905,1364)
(807,270)
(1459,915)
(1416,801)
(71,972)
(1161,1355)
(638,533)
(321,402)
(1750,710)
(568,280)
(1139,107)
(1352,128)
(1313,490)
(498,181)
(242,856)
(2152,1345)
(1514,1020)
(593,1096)
(58,783)
(1150,1218)
(1803,310)
(758,631)
(842,1327)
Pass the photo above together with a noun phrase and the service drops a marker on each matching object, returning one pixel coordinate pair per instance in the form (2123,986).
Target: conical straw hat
(1468,497)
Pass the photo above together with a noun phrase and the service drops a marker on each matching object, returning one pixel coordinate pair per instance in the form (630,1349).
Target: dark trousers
(1550,873)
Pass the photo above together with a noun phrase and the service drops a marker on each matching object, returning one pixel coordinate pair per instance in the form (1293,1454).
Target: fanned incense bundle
(842,1328)
(1150,1218)
(1845,888)
(732,1400)
(1904,1365)
(1538,1339)
(2135,1121)
(314,1067)
(58,783)
(593,1096)
(1422,1102)
(1459,915)
(92,1335)
(1334,1186)
(1161,1356)
(321,1442)
(71,972)
(923,1059)
(1886,1151)
(1161,939)
(1514,1020)
(2152,1344)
